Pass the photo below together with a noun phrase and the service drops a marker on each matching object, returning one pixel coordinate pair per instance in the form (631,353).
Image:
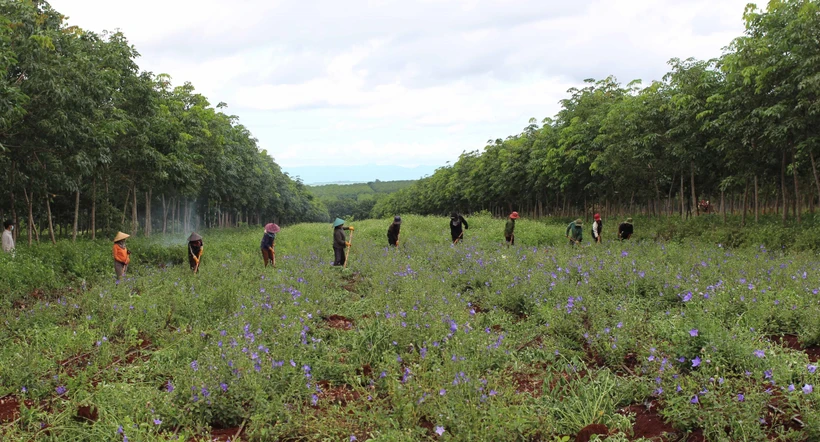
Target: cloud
(403,82)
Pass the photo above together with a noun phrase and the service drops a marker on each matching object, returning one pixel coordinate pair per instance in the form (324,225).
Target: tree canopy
(740,131)
(90,142)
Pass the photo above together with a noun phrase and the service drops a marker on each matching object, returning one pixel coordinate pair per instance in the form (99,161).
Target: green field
(474,342)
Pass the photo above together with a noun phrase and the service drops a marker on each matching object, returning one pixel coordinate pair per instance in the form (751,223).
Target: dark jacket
(267,240)
(625,230)
(455,225)
(195,247)
(393,233)
(339,240)
(509,229)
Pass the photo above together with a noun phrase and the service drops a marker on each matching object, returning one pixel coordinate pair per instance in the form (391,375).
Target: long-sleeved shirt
(121,254)
(195,248)
(456,223)
(268,240)
(8,241)
(393,233)
(509,229)
(575,231)
(597,227)
(339,240)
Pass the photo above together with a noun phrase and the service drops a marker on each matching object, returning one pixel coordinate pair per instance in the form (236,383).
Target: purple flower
(620,325)
(693,332)
(61,390)
(439,430)
(687,297)
(194,365)
(224,386)
(157,422)
(811,368)
(314,400)
(694,400)
(791,387)
(767,374)
(696,361)
(741,397)
(353,438)
(119,430)
(169,387)
(760,353)
(442,392)
(808,388)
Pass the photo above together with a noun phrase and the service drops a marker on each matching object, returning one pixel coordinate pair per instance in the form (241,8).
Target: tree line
(740,131)
(89,143)
(355,201)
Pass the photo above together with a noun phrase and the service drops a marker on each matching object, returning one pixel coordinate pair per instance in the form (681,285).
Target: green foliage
(487,342)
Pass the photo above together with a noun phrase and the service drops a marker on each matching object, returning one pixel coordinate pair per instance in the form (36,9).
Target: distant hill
(355,201)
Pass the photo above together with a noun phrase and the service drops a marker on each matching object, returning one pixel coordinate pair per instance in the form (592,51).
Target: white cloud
(402,82)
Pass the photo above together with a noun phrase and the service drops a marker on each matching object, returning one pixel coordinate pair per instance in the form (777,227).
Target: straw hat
(514,215)
(579,222)
(272,228)
(194,237)
(121,236)
(338,222)
(629,220)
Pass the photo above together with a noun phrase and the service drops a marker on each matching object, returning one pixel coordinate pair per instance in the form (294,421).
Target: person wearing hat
(509,229)
(597,228)
(393,232)
(194,251)
(122,256)
(625,229)
(456,223)
(8,238)
(339,241)
(575,231)
(268,244)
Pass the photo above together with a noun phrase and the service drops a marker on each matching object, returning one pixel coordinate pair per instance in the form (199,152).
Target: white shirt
(8,241)
(595,229)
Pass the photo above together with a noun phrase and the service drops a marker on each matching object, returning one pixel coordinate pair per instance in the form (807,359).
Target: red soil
(792,342)
(339,322)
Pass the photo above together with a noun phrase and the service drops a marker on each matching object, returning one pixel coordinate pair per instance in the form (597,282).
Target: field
(680,340)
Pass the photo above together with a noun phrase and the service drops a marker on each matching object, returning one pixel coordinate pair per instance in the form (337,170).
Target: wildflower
(61,390)
(620,325)
(224,386)
(119,430)
(808,388)
(439,430)
(169,387)
(442,392)
(741,397)
(693,332)
(314,400)
(767,374)
(194,366)
(696,361)
(157,422)
(694,400)
(687,297)
(760,353)
(353,438)
(791,388)
(811,368)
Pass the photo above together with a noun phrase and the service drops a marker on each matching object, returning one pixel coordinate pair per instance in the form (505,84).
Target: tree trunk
(135,222)
(797,202)
(76,214)
(757,207)
(745,205)
(125,207)
(682,210)
(14,205)
(692,183)
(814,171)
(723,204)
(148,213)
(30,222)
(50,224)
(94,209)
(164,215)
(783,185)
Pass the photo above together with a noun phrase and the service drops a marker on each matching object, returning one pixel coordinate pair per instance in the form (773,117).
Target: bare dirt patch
(339,322)
(793,343)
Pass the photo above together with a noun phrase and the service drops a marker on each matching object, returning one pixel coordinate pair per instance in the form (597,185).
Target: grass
(476,342)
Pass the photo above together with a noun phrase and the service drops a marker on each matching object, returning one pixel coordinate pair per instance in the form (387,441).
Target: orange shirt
(121,254)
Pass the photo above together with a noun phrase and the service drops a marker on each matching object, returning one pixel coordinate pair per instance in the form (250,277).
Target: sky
(359,90)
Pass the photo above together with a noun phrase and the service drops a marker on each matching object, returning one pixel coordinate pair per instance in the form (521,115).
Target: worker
(339,241)
(195,247)
(393,232)
(625,229)
(597,228)
(122,256)
(575,231)
(509,229)
(456,223)
(269,243)
(8,238)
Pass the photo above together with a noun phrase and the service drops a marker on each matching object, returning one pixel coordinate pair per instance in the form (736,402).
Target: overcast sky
(406,83)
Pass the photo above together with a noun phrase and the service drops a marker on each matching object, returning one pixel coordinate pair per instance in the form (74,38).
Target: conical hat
(121,236)
(338,222)
(272,228)
(194,237)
